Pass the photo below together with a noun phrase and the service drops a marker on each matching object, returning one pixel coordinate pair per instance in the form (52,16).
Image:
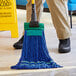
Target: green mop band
(26,27)
(34,31)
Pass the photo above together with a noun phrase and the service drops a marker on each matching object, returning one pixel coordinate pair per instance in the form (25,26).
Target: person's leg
(60,21)
(39,9)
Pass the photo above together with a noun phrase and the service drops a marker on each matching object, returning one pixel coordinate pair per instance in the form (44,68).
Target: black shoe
(19,44)
(64,46)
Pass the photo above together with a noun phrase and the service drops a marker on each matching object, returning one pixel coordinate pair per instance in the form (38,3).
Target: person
(60,20)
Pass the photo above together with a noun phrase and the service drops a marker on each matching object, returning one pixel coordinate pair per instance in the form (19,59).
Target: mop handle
(33,1)
(33,22)
(34,16)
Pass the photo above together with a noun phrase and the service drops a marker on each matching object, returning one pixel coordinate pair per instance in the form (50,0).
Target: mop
(35,54)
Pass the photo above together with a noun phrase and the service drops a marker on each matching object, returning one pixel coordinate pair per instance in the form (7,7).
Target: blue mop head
(35,53)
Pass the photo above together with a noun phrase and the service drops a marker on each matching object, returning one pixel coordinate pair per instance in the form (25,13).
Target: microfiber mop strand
(35,54)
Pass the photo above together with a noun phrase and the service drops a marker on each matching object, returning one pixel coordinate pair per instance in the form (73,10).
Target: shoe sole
(64,51)
(17,47)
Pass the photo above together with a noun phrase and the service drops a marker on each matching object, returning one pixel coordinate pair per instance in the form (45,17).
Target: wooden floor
(9,56)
